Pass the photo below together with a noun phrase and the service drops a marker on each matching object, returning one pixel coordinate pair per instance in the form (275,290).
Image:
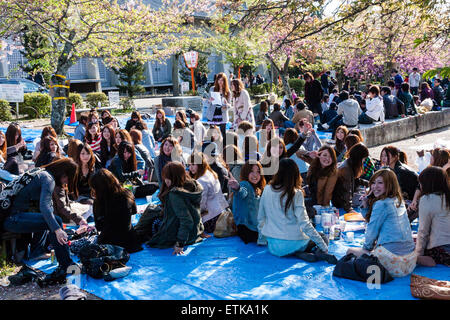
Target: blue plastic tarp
(226,268)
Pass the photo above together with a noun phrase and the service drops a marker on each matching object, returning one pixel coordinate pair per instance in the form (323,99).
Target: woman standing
(282,218)
(242,106)
(182,222)
(162,128)
(247,194)
(217,112)
(213,201)
(113,208)
(433,237)
(23,219)
(388,235)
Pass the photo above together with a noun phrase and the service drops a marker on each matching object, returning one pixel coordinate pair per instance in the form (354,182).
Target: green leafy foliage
(74,98)
(126,103)
(298,85)
(5,111)
(36,105)
(443,72)
(93,98)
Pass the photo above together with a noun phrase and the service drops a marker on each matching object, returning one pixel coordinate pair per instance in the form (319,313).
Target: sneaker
(325,126)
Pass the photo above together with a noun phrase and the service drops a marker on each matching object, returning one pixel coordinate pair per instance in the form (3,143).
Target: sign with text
(184,86)
(114,98)
(191,59)
(11,92)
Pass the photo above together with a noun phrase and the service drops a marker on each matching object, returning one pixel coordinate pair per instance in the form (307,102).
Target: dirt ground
(31,291)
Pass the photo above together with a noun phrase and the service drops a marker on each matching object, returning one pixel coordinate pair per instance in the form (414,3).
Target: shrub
(5,111)
(257,89)
(298,85)
(36,104)
(126,103)
(94,98)
(74,98)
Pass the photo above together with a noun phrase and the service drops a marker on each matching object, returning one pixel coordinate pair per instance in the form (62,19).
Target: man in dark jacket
(324,81)
(313,93)
(393,106)
(438,92)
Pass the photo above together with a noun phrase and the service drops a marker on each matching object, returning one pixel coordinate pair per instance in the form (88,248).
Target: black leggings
(246,234)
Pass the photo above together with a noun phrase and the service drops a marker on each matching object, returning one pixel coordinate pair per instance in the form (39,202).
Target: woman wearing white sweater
(374,107)
(242,106)
(283,220)
(213,201)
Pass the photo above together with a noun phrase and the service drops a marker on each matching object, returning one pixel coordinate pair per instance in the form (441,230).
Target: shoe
(325,126)
(320,255)
(310,257)
(25,275)
(58,276)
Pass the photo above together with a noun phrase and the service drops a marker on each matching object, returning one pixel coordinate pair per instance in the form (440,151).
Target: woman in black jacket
(313,93)
(16,149)
(49,151)
(107,148)
(113,208)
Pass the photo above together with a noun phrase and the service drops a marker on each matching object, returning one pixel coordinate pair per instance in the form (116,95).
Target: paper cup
(326,220)
(350,236)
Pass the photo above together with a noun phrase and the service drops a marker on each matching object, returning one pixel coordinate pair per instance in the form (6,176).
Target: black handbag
(99,259)
(351,267)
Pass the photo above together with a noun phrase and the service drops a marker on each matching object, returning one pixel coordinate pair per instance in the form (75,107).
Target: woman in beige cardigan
(242,106)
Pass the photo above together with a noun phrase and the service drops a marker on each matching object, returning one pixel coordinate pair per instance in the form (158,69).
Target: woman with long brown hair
(213,200)
(433,237)
(282,218)
(170,151)
(388,234)
(47,131)
(124,164)
(162,128)
(113,208)
(107,149)
(265,134)
(49,151)
(348,177)
(124,135)
(217,112)
(86,168)
(135,117)
(247,194)
(94,136)
(340,135)
(16,149)
(182,222)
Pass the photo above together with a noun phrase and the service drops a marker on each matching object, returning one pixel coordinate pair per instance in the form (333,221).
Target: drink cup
(326,220)
(350,236)
(317,219)
(148,198)
(342,225)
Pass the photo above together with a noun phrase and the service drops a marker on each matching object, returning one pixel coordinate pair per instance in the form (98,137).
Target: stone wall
(394,130)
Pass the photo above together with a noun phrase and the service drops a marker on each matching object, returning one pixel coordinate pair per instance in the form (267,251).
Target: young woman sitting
(290,136)
(348,177)
(124,135)
(388,234)
(135,117)
(147,137)
(107,149)
(93,136)
(163,127)
(49,151)
(86,168)
(113,208)
(16,149)
(433,237)
(185,136)
(170,151)
(322,176)
(124,165)
(233,160)
(265,134)
(247,194)
(3,147)
(136,136)
(340,135)
(282,218)
(182,222)
(213,201)
(47,131)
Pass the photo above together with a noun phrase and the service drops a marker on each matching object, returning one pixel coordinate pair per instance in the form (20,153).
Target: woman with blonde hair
(242,106)
(388,234)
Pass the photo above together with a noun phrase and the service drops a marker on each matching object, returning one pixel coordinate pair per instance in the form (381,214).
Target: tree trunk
(175,70)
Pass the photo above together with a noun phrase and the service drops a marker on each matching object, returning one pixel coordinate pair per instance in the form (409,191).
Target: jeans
(29,222)
(365,119)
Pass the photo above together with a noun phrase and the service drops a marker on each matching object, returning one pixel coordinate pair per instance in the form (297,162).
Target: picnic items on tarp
(100,259)
(225,226)
(353,216)
(361,268)
(426,288)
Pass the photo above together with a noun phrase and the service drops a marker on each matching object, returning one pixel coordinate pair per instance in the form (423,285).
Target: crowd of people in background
(267,171)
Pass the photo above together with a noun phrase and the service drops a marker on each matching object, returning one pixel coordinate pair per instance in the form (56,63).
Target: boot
(320,255)
(58,276)
(25,275)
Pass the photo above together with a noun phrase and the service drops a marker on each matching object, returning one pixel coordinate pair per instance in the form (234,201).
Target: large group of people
(269,170)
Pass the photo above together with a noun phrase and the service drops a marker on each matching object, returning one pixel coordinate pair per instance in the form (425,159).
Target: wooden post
(193,81)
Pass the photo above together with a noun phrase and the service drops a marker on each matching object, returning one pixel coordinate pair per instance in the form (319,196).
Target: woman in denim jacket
(388,234)
(247,194)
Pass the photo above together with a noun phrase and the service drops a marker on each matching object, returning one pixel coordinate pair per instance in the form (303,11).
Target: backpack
(100,259)
(9,192)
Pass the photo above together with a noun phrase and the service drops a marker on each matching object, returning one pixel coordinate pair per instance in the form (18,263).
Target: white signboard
(184,86)
(11,92)
(191,59)
(114,98)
